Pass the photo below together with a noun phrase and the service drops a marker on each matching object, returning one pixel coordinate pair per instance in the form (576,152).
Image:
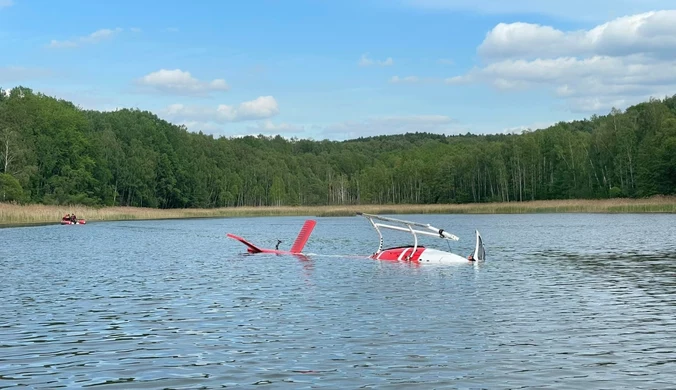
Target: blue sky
(343,69)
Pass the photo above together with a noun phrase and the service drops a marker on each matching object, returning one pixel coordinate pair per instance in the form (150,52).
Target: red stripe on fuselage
(394,254)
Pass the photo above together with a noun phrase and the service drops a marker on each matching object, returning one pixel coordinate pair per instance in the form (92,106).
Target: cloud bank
(617,63)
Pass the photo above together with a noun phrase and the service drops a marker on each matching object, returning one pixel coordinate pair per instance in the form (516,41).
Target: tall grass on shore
(12,214)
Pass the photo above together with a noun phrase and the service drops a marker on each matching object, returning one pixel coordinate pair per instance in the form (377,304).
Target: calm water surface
(575,301)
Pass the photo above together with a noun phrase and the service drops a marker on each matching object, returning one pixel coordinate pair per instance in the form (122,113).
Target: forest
(53,152)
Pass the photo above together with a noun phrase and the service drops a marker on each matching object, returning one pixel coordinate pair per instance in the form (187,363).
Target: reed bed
(12,214)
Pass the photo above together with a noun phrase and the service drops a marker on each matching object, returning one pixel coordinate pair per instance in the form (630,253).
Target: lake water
(566,301)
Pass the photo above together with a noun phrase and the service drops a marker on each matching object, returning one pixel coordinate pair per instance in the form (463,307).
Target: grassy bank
(11,214)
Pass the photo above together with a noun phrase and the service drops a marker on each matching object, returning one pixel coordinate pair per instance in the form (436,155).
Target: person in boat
(73,218)
(471,257)
(66,217)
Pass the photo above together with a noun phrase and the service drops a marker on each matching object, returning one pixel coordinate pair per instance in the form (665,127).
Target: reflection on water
(563,301)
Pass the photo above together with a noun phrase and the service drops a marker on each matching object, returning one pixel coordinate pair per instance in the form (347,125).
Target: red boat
(69,222)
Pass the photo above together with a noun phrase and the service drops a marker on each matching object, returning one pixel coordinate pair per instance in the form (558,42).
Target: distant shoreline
(30,215)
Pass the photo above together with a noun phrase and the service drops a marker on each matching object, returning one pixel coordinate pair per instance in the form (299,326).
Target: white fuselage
(435,256)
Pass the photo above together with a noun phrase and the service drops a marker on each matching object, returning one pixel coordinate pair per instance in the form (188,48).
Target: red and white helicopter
(411,253)
(417,253)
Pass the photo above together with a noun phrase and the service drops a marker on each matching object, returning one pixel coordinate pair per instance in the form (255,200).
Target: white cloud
(596,10)
(95,37)
(391,125)
(571,71)
(6,3)
(414,80)
(54,44)
(407,79)
(269,128)
(650,33)
(618,63)
(180,82)
(260,108)
(456,80)
(12,74)
(366,61)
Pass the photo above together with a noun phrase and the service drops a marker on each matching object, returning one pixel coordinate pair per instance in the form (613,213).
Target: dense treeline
(54,152)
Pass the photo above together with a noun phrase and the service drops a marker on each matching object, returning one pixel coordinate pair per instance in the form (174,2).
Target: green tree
(10,189)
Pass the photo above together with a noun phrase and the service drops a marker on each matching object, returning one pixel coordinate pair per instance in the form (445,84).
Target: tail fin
(479,251)
(303,236)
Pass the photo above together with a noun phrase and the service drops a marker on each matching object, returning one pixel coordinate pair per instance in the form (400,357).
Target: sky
(341,69)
